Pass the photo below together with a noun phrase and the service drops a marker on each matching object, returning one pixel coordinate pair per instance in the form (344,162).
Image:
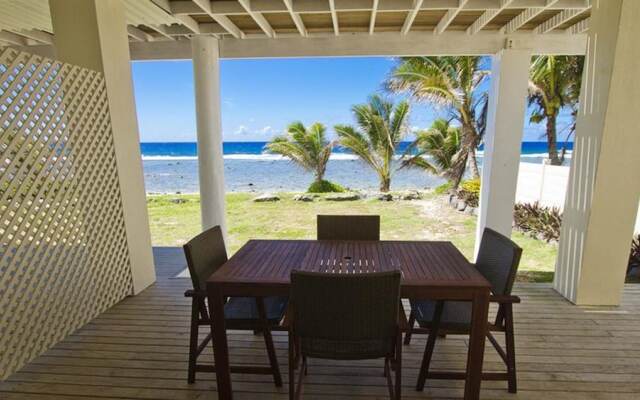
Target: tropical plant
(469,191)
(634,256)
(381,125)
(539,221)
(441,146)
(450,82)
(554,83)
(308,148)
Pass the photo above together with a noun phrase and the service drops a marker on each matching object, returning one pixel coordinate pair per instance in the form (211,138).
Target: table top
(424,264)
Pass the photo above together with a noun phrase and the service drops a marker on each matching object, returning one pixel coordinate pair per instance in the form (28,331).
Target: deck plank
(138,350)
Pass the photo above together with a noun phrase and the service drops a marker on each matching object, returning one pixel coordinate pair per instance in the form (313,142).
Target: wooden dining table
(434,270)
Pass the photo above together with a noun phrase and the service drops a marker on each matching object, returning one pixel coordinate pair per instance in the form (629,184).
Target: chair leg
(193,341)
(292,366)
(511,348)
(431,342)
(411,322)
(268,341)
(398,363)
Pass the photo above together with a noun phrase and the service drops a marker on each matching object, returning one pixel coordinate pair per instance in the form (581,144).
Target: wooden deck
(138,350)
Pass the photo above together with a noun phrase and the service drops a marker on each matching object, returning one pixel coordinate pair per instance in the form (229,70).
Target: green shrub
(443,189)
(469,191)
(634,257)
(324,186)
(539,221)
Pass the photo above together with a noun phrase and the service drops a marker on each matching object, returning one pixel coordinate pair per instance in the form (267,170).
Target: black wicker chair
(497,260)
(345,317)
(205,253)
(348,227)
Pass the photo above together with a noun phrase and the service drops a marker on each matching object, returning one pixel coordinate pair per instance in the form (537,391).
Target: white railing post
(502,141)
(604,181)
(206,75)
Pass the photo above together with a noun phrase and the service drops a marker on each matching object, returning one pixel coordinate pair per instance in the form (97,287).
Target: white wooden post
(206,75)
(93,34)
(604,181)
(502,142)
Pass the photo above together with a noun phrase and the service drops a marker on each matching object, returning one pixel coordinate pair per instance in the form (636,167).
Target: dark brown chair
(497,260)
(345,317)
(206,253)
(348,227)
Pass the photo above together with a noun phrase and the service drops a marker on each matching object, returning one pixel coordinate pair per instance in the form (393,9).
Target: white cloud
(267,129)
(241,130)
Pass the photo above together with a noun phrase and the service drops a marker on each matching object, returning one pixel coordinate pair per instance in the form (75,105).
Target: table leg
(219,341)
(477,336)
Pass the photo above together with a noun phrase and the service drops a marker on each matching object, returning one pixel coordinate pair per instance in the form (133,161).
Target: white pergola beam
(38,36)
(223,20)
(449,17)
(297,20)
(579,27)
(486,17)
(552,23)
(162,30)
(258,18)
(526,16)
(189,23)
(139,34)
(372,20)
(411,16)
(13,39)
(334,17)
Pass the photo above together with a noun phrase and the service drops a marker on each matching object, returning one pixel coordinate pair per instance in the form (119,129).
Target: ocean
(173,168)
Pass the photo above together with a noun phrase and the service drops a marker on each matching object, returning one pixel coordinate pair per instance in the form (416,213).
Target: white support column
(604,182)
(93,34)
(502,141)
(206,75)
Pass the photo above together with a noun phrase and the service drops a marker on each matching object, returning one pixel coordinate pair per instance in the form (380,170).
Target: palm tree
(381,126)
(450,82)
(308,148)
(554,83)
(441,143)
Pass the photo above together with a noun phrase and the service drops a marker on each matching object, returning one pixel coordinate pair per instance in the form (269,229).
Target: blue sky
(261,97)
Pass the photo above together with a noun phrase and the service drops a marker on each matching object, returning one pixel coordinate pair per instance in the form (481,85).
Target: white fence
(547,184)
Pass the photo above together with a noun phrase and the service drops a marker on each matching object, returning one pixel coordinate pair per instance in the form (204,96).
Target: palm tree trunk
(385,183)
(473,163)
(552,140)
(470,142)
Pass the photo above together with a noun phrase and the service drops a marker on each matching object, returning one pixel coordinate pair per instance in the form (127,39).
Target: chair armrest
(495,298)
(195,293)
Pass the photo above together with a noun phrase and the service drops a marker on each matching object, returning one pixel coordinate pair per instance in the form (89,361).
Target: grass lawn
(176,218)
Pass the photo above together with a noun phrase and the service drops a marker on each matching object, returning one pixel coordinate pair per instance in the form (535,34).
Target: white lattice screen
(63,247)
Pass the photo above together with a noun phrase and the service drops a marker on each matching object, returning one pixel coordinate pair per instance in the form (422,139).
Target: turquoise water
(173,167)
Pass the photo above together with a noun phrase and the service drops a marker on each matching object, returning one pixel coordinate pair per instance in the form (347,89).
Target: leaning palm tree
(381,126)
(554,83)
(308,148)
(441,146)
(450,82)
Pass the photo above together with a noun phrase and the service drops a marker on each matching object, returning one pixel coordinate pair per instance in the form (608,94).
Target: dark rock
(303,197)
(178,201)
(343,197)
(385,197)
(411,195)
(461,205)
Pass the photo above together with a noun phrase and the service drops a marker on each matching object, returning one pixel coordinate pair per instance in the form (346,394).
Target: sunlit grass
(176,218)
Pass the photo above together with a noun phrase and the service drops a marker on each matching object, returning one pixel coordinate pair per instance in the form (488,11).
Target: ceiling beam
(36,35)
(559,19)
(334,17)
(223,20)
(258,18)
(189,23)
(297,19)
(579,27)
(527,15)
(411,16)
(486,17)
(139,34)
(372,20)
(13,39)
(161,29)
(449,17)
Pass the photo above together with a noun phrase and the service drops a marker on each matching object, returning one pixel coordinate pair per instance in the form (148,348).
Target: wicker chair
(498,260)
(205,253)
(345,317)
(348,227)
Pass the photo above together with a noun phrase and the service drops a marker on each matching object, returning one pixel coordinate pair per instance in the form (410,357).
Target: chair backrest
(498,260)
(205,253)
(348,227)
(345,316)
